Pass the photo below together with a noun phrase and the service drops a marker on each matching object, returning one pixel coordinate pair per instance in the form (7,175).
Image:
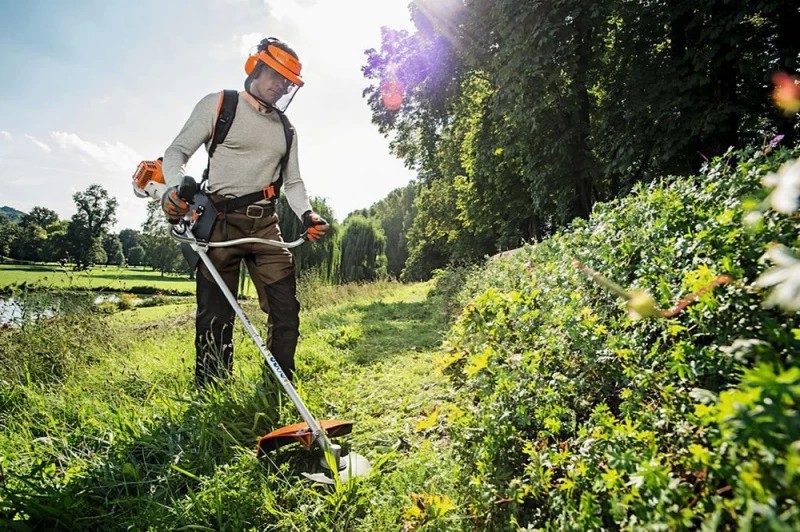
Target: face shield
(276,89)
(277,75)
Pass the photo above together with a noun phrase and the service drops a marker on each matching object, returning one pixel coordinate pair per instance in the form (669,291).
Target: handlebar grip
(187,189)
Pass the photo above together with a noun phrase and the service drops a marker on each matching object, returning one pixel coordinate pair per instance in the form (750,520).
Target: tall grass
(120,439)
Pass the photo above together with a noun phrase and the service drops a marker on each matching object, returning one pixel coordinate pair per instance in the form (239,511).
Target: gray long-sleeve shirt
(248,160)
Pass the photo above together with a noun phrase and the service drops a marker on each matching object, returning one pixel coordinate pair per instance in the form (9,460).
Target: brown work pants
(272,272)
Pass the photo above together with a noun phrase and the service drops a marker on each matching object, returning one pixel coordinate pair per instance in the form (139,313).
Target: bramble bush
(573,414)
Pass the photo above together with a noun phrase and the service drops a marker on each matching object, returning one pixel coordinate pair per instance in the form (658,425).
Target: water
(12,312)
(15,311)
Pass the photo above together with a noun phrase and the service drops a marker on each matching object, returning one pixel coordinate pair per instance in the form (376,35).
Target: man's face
(270,86)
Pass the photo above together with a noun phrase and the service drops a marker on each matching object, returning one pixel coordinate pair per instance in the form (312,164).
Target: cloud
(5,135)
(248,42)
(117,156)
(39,143)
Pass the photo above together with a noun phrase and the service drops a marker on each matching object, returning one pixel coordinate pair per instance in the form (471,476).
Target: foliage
(96,211)
(161,252)
(577,416)
(432,230)
(123,441)
(28,243)
(449,288)
(129,238)
(113,249)
(395,213)
(321,255)
(8,233)
(549,107)
(136,256)
(41,216)
(362,250)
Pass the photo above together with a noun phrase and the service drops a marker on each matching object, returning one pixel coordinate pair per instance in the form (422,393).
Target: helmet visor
(276,89)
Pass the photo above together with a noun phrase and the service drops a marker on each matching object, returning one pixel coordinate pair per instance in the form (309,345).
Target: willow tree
(321,255)
(395,213)
(362,250)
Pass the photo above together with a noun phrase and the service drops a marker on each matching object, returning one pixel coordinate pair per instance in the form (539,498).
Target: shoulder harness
(226,112)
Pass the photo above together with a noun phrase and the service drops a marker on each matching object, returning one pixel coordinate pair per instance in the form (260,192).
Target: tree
(8,233)
(533,111)
(136,256)
(28,243)
(129,239)
(56,247)
(320,255)
(41,216)
(84,250)
(395,213)
(162,253)
(432,230)
(362,250)
(113,249)
(96,211)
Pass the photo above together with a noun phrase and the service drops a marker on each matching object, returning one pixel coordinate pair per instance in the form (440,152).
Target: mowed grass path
(125,441)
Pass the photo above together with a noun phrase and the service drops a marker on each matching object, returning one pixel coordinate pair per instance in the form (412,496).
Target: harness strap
(232,204)
(288,131)
(226,112)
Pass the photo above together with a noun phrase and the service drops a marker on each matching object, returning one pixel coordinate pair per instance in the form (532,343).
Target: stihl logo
(276,367)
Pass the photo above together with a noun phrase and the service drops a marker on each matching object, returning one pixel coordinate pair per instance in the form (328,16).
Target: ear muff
(250,64)
(279,60)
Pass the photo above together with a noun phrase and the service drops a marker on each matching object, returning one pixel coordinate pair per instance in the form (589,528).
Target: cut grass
(124,441)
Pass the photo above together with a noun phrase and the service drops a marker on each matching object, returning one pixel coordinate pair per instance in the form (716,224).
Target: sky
(90,88)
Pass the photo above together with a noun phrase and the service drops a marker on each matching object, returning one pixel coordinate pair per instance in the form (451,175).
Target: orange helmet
(284,63)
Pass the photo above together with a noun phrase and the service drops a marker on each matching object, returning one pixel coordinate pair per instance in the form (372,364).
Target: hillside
(573,412)
(11,213)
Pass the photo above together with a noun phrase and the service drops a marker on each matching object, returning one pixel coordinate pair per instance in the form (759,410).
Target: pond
(15,310)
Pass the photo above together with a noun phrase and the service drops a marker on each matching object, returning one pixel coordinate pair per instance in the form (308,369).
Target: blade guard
(300,432)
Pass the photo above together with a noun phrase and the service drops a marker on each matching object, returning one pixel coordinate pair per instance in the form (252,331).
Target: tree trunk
(583,160)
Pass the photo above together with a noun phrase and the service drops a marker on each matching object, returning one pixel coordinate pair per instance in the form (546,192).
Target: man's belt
(232,204)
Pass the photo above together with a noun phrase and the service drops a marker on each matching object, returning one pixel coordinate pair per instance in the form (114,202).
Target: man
(250,160)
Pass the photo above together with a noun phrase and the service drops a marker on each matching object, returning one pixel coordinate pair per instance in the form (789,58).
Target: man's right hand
(173,206)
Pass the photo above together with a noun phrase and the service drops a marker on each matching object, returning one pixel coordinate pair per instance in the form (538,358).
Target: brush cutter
(311,431)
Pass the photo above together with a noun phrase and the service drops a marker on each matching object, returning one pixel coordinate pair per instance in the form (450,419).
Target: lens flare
(786,93)
(392,91)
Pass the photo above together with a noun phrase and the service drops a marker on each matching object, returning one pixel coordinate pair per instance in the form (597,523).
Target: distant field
(108,278)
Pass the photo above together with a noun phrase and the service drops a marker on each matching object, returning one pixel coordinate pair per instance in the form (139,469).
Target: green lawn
(112,278)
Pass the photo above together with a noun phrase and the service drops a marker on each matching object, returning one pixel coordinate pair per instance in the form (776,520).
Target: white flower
(784,277)
(786,185)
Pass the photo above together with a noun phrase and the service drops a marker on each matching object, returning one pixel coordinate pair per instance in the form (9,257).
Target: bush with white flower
(784,277)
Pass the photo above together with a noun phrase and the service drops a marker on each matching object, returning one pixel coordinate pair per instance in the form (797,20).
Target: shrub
(576,416)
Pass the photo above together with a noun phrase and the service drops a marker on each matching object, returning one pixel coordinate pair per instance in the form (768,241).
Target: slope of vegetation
(572,415)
